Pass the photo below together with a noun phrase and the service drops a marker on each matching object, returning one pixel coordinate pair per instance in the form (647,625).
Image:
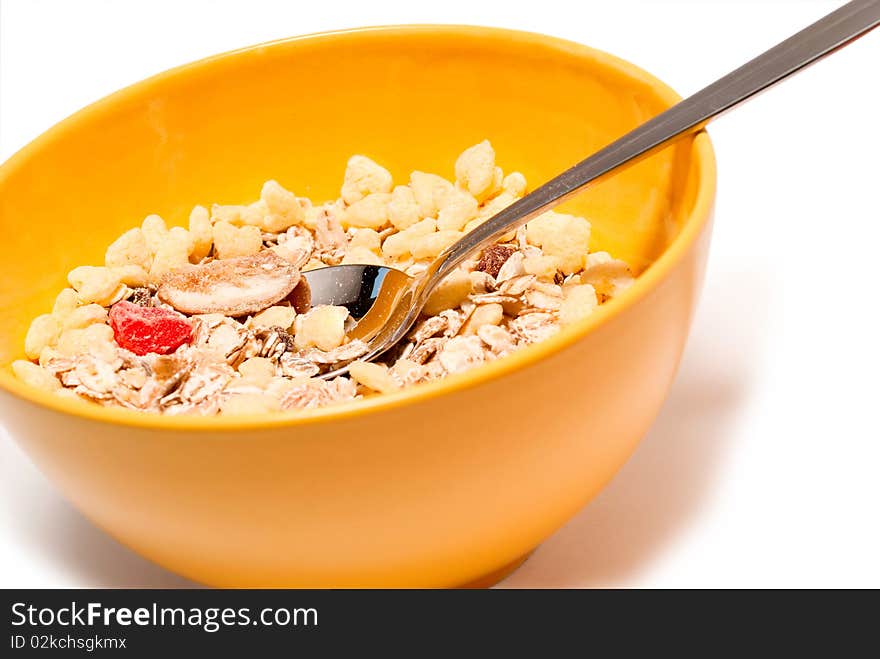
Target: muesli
(215,318)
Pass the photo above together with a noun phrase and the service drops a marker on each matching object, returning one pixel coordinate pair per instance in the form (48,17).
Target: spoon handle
(822,38)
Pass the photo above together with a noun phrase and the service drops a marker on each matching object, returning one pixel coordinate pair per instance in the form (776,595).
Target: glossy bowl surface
(439,485)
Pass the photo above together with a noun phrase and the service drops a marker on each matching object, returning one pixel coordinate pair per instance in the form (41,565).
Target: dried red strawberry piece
(148,329)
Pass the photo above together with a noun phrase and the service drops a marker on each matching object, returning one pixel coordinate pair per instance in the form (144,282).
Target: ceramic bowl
(444,484)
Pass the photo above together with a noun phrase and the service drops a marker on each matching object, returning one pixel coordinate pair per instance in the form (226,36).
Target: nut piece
(363,177)
(250,403)
(257,370)
(485,314)
(609,276)
(373,376)
(232,287)
(475,169)
(323,327)
(282,317)
(541,265)
(449,293)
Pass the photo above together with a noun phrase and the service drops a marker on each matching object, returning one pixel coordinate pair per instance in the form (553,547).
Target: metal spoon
(386,302)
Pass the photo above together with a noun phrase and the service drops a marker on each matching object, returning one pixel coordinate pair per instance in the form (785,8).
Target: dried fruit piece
(142,296)
(143,330)
(493,257)
(232,287)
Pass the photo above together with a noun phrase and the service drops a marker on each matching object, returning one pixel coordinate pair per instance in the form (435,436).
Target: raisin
(142,297)
(493,257)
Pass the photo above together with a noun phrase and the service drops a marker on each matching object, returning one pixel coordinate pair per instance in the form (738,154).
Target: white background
(762,469)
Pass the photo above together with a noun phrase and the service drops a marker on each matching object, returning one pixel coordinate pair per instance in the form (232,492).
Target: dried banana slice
(232,287)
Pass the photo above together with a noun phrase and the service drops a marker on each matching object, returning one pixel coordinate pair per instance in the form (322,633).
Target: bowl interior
(411,98)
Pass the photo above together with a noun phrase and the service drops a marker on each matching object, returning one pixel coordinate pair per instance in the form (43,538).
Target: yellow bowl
(444,484)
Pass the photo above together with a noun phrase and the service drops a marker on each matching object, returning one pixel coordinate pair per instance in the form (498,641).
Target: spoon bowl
(381,300)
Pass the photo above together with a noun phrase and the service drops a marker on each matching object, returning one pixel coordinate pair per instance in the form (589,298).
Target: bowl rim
(647,281)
